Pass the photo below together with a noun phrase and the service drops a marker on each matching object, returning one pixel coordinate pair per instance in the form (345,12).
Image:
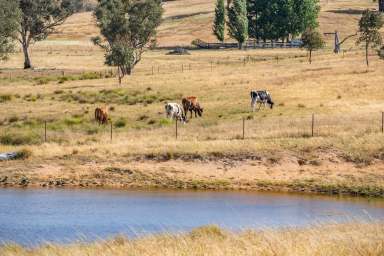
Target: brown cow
(192,105)
(101,115)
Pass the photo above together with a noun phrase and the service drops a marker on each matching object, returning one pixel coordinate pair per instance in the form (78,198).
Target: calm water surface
(33,216)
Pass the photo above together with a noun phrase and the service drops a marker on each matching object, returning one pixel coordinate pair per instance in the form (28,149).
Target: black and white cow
(261,98)
(175,111)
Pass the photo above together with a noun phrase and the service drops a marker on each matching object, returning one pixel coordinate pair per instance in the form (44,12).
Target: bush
(5,98)
(23,154)
(13,119)
(120,123)
(19,139)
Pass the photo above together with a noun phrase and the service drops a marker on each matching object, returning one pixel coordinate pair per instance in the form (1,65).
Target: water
(33,216)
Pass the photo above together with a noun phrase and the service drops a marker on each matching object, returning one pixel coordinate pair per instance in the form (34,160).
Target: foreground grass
(346,239)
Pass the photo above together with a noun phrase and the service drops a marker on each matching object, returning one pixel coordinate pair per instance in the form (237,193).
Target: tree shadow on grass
(347,11)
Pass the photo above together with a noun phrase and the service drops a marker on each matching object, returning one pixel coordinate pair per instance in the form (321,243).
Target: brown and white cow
(192,105)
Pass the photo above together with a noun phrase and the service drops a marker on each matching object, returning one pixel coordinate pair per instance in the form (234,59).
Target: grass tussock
(327,240)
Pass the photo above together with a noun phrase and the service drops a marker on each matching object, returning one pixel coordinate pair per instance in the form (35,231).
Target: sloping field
(344,156)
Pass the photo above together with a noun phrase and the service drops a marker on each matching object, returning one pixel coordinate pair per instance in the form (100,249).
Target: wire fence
(248,127)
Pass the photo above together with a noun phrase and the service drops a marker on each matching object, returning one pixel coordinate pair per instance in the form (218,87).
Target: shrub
(5,98)
(19,139)
(120,123)
(13,119)
(23,154)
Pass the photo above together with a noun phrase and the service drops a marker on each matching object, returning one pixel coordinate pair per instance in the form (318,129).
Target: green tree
(127,26)
(39,18)
(9,20)
(312,41)
(238,21)
(219,22)
(369,26)
(304,15)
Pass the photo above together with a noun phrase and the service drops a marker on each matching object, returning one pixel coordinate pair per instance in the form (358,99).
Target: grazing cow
(192,105)
(261,98)
(175,111)
(101,115)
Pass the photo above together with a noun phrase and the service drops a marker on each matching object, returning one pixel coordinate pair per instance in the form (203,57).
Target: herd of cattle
(190,104)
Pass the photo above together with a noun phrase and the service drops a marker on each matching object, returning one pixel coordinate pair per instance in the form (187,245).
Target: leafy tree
(369,26)
(312,41)
(219,22)
(238,21)
(39,18)
(128,26)
(9,18)
(304,14)
(281,19)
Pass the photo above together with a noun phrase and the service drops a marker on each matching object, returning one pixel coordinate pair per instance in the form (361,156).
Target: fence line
(245,128)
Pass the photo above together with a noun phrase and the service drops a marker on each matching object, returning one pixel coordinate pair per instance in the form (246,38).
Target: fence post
(182,68)
(189,66)
(211,66)
(176,129)
(45,131)
(313,123)
(111,130)
(158,69)
(152,70)
(243,128)
(382,122)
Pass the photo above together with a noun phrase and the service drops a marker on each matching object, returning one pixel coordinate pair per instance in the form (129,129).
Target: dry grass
(346,239)
(345,96)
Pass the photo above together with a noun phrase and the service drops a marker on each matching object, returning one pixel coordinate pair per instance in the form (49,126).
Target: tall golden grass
(329,240)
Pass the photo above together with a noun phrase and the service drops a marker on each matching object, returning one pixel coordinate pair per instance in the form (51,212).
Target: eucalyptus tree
(127,27)
(39,18)
(9,20)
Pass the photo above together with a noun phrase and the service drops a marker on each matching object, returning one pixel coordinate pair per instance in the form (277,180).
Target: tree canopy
(238,21)
(39,19)
(312,41)
(219,22)
(127,27)
(281,19)
(9,20)
(369,26)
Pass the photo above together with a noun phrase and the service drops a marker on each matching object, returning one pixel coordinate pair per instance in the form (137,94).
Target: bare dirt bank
(328,173)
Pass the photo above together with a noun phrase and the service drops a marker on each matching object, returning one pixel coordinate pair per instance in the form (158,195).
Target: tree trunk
(381,5)
(310,56)
(27,60)
(366,53)
(240,45)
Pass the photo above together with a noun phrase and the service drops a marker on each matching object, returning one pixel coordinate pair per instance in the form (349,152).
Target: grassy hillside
(344,156)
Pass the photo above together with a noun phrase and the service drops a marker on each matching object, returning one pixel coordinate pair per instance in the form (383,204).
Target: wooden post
(176,129)
(152,70)
(382,122)
(211,66)
(313,123)
(62,73)
(158,69)
(111,131)
(243,128)
(45,131)
(182,68)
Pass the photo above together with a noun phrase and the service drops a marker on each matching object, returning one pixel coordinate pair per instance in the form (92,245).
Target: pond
(34,216)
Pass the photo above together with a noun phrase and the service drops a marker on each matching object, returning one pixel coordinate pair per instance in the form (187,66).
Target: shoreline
(251,173)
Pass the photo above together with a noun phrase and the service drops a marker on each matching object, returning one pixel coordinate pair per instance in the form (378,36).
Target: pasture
(70,81)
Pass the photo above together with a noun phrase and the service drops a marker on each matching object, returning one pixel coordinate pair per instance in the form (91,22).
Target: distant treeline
(280,19)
